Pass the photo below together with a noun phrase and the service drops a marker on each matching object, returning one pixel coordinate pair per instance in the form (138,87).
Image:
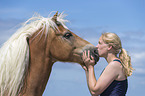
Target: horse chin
(76,57)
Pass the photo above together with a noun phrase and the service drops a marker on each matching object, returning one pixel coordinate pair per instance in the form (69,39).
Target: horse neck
(40,65)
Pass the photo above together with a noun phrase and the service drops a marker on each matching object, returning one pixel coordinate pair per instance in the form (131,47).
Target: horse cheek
(60,50)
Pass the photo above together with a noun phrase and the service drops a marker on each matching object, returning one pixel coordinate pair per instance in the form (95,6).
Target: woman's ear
(110,47)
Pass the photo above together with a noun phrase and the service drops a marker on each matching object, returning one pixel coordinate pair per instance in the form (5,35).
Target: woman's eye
(67,35)
(99,42)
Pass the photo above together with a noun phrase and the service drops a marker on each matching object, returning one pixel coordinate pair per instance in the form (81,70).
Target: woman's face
(102,48)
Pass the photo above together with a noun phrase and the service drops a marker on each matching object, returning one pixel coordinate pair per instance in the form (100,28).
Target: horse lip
(77,54)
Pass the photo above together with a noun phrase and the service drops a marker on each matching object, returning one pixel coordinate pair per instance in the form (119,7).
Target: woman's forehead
(101,40)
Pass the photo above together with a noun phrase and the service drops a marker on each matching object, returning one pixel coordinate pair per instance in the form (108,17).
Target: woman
(113,80)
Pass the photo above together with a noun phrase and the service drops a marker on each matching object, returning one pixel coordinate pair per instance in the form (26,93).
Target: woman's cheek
(99,52)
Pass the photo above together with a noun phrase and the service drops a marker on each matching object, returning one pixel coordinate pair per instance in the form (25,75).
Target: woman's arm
(107,77)
(87,68)
(110,73)
(92,93)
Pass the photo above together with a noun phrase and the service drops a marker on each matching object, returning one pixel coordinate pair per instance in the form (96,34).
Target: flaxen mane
(14,54)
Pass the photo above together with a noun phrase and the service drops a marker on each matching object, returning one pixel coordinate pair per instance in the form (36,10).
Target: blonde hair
(113,40)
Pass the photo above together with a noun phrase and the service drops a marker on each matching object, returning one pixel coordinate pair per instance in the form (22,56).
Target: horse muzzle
(93,52)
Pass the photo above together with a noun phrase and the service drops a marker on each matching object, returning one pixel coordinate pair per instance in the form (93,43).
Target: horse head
(67,46)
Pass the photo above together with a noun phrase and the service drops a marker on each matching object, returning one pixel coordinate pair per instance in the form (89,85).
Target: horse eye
(67,35)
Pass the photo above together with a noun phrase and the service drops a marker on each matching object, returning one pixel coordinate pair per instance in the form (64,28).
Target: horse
(27,57)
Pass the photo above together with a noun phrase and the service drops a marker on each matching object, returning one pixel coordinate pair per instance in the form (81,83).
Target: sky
(88,19)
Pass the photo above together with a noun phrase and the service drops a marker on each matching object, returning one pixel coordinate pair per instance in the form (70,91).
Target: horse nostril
(95,55)
(75,47)
(95,51)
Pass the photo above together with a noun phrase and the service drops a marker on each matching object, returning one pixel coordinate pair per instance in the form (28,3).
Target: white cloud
(138,60)
(139,70)
(138,56)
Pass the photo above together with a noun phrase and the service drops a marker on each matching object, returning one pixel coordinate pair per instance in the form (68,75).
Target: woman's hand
(88,60)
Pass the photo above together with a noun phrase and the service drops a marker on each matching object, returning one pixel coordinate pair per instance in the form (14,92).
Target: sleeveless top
(116,88)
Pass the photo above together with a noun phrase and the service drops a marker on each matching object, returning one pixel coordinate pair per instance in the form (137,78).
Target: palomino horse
(27,57)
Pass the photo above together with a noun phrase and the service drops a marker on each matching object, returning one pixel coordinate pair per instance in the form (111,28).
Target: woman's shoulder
(115,63)
(117,67)
(114,66)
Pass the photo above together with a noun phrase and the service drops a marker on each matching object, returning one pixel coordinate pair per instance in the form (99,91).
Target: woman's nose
(97,46)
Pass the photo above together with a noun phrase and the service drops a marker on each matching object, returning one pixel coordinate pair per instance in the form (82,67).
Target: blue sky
(89,18)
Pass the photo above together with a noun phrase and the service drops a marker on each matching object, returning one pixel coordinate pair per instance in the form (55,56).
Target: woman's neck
(110,57)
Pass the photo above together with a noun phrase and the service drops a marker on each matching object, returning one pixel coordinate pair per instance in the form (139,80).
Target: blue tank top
(116,88)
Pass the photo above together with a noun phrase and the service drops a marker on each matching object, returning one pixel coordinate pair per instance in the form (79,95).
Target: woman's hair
(113,40)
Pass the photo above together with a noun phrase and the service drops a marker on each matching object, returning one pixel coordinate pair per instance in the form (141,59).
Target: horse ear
(54,18)
(58,14)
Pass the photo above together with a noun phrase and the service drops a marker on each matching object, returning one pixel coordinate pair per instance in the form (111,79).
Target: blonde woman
(113,80)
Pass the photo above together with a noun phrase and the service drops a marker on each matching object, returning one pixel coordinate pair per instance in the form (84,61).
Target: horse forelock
(14,54)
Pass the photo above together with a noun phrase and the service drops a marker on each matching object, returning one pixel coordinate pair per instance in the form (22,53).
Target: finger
(85,52)
(92,57)
(88,53)
(84,67)
(93,60)
(84,55)
(87,59)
